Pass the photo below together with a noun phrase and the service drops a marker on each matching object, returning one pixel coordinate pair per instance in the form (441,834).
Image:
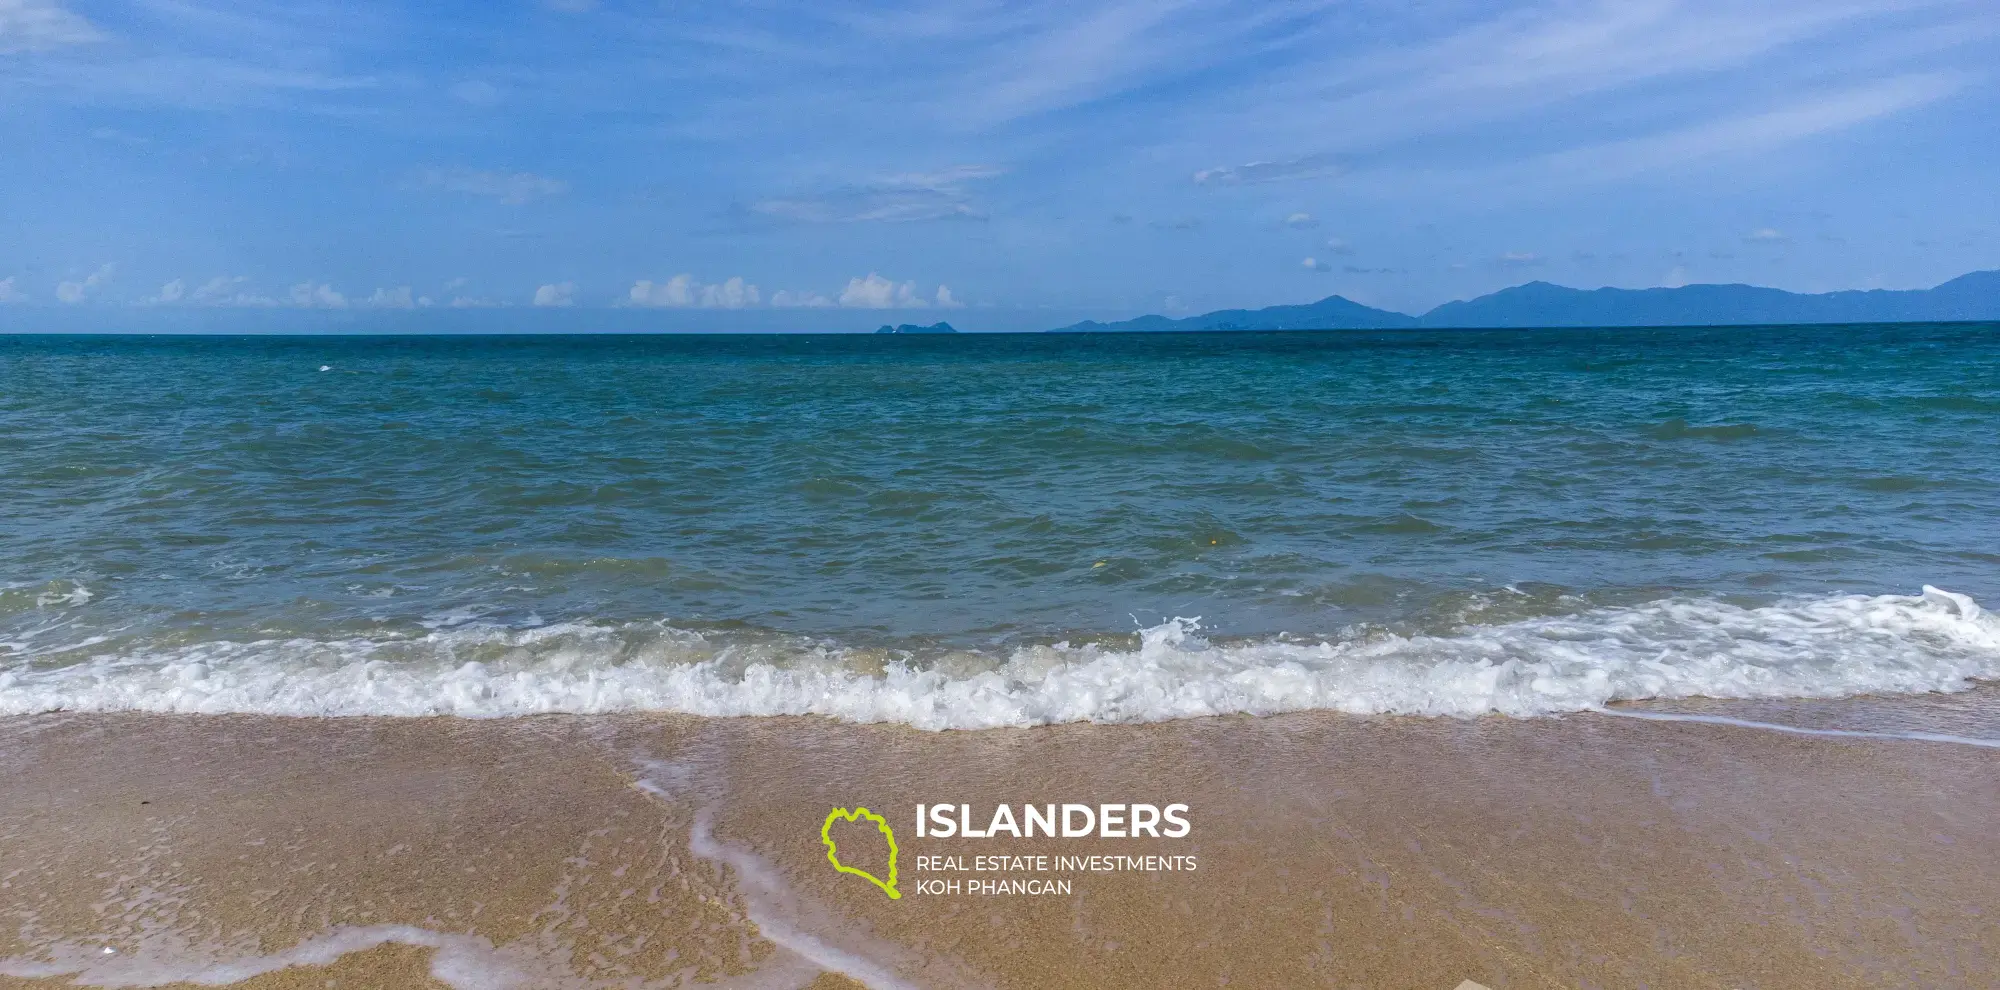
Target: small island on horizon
(938,327)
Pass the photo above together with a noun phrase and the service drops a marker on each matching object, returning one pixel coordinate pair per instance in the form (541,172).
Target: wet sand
(659,851)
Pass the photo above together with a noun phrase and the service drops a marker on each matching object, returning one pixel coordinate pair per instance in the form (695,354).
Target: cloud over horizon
(684,291)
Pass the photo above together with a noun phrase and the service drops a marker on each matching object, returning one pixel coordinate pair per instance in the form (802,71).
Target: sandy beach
(658,851)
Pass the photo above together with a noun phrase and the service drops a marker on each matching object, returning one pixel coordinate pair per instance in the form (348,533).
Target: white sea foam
(1676,648)
(1802,730)
(463,962)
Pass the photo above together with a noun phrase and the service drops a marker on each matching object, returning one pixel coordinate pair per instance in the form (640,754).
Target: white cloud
(172,292)
(1312,264)
(871,291)
(1766,235)
(311,295)
(9,294)
(1301,220)
(684,290)
(224,290)
(471,302)
(76,292)
(556,294)
(786,298)
(1519,259)
(732,294)
(1335,245)
(511,188)
(876,292)
(676,291)
(397,298)
(38,25)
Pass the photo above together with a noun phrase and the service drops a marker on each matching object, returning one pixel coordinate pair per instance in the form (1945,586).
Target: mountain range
(1541,304)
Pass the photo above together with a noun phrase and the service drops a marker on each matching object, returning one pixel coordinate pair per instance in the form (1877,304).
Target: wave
(1673,648)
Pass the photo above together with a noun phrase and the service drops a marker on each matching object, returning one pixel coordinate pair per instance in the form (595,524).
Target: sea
(981,531)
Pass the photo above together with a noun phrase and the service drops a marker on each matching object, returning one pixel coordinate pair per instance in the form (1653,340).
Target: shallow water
(993,530)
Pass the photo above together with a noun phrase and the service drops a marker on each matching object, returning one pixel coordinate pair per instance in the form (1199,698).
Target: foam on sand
(1673,648)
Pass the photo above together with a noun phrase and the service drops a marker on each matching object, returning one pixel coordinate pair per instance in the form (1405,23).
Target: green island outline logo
(833,853)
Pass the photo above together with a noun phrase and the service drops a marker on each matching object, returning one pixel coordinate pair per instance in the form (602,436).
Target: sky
(817,164)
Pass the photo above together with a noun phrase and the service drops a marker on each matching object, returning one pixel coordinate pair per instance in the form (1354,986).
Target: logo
(833,852)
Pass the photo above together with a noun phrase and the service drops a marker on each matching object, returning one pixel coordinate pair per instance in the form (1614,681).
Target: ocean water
(980,531)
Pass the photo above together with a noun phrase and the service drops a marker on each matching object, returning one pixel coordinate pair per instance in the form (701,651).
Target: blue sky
(801,165)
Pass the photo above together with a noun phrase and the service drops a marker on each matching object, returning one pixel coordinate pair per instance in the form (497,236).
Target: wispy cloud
(10,294)
(1823,112)
(196,54)
(477,92)
(905,198)
(1309,167)
(510,188)
(39,25)
(1520,60)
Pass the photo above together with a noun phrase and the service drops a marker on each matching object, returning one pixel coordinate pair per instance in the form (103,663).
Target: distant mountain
(1331,313)
(1541,304)
(939,327)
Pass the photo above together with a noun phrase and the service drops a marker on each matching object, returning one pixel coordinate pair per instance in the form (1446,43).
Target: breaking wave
(1673,648)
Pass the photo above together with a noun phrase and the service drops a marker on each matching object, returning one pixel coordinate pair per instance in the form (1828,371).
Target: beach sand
(1332,851)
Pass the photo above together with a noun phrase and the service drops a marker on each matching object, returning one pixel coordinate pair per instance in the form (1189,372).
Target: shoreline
(634,850)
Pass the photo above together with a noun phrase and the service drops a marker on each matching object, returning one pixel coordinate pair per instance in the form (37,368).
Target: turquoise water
(1011,529)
